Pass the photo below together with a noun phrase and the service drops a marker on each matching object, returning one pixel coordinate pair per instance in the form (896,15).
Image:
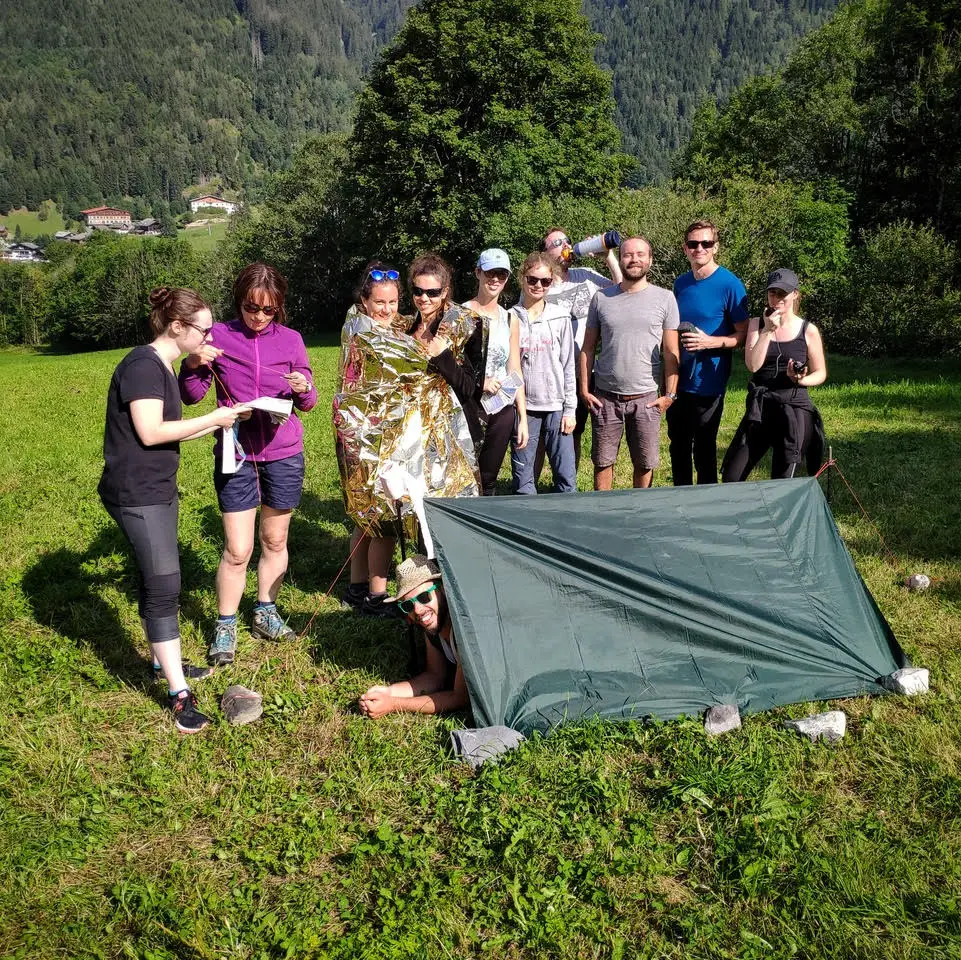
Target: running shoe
(187,718)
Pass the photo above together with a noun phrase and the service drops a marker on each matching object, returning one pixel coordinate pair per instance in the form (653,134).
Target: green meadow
(205,238)
(30,223)
(317,833)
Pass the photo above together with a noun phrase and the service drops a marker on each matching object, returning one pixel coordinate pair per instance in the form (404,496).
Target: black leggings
(692,425)
(762,437)
(152,532)
(497,439)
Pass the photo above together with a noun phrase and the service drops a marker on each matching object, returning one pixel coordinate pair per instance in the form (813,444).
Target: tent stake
(413,663)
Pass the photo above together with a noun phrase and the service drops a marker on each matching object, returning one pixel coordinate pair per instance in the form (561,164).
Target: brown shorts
(643,425)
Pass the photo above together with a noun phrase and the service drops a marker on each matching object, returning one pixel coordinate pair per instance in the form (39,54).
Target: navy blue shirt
(714,305)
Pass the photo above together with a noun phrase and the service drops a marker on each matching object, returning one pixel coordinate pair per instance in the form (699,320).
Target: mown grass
(30,223)
(318,833)
(205,238)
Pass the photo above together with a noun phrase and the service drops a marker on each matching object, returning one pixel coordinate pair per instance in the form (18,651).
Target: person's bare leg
(359,545)
(232,572)
(604,477)
(274,526)
(643,478)
(380,554)
(168,655)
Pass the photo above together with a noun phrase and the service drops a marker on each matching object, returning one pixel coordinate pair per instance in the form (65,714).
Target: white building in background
(214,203)
(107,218)
(24,253)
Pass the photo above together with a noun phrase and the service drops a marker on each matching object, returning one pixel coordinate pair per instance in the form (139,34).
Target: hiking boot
(224,646)
(377,606)
(187,718)
(190,672)
(269,625)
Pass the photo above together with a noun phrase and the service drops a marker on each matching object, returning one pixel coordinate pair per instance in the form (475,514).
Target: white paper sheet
(275,406)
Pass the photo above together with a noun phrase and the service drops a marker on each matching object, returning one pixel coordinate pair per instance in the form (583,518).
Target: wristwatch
(671,396)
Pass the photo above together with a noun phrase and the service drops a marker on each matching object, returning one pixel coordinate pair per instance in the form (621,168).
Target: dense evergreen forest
(110,100)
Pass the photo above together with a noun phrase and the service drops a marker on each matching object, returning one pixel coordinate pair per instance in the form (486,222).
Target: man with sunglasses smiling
(441,687)
(713,308)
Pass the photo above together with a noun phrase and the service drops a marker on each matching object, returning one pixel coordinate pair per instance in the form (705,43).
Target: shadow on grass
(65,589)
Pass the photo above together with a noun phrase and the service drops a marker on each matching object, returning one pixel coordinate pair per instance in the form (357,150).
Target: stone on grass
(828,726)
(241,705)
(918,582)
(908,681)
(722,718)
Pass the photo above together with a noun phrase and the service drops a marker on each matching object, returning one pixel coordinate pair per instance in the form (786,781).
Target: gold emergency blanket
(393,417)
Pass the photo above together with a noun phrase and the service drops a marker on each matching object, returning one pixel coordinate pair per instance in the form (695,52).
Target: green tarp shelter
(639,603)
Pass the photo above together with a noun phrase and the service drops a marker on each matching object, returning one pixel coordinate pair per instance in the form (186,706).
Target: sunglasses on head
(559,242)
(256,308)
(544,282)
(378,276)
(432,292)
(694,244)
(407,606)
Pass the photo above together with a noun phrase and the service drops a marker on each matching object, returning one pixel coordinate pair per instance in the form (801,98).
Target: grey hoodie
(547,359)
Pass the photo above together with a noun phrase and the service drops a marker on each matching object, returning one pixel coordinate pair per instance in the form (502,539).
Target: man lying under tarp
(647,603)
(440,687)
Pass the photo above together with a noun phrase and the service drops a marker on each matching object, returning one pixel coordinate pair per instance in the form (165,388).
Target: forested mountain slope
(106,99)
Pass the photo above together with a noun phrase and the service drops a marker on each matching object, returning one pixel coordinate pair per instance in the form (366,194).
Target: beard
(635,271)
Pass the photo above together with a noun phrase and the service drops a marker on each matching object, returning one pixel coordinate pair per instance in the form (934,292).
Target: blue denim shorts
(277,483)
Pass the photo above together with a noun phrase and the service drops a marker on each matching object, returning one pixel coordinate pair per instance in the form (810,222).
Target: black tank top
(773,373)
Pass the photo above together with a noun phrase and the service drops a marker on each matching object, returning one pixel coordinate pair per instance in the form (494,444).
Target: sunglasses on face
(255,308)
(432,292)
(498,274)
(204,331)
(559,242)
(378,276)
(544,282)
(705,244)
(407,606)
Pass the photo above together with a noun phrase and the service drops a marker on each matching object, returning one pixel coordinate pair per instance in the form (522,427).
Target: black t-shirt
(135,475)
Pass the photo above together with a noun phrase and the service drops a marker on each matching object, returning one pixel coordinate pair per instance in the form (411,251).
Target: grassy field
(316,833)
(205,238)
(30,223)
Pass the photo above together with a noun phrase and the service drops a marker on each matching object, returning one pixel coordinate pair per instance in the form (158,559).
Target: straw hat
(413,572)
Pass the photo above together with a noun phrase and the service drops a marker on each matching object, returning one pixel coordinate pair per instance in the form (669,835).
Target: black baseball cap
(782,279)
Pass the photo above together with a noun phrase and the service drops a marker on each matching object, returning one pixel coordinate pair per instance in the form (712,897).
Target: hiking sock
(263,605)
(229,618)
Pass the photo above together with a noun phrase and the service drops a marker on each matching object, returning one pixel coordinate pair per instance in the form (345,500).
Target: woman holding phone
(785,354)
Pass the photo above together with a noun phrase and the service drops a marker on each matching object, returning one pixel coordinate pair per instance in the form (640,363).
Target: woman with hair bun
(141,452)
(255,355)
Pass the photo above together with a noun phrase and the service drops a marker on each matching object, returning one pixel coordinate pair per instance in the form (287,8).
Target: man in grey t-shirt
(635,322)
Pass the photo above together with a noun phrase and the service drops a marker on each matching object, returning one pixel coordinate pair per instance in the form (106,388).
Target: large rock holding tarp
(662,602)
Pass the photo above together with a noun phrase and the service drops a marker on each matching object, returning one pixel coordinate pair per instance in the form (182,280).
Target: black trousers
(497,438)
(761,437)
(692,425)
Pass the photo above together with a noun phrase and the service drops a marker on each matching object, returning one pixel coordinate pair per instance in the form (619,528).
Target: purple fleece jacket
(252,365)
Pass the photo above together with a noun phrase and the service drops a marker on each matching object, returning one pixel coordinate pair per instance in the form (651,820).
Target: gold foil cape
(392,411)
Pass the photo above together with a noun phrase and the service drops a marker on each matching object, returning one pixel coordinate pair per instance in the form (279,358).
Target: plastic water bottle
(600,243)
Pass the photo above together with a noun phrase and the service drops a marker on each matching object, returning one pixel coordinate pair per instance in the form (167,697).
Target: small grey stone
(241,705)
(722,718)
(908,681)
(828,726)
(918,582)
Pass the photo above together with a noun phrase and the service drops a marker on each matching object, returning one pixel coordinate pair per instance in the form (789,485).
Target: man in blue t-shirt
(713,307)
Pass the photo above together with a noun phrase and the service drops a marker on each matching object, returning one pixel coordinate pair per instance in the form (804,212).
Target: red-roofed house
(211,201)
(107,217)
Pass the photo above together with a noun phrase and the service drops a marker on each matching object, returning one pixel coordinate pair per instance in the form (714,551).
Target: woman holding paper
(254,357)
(502,358)
(141,452)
